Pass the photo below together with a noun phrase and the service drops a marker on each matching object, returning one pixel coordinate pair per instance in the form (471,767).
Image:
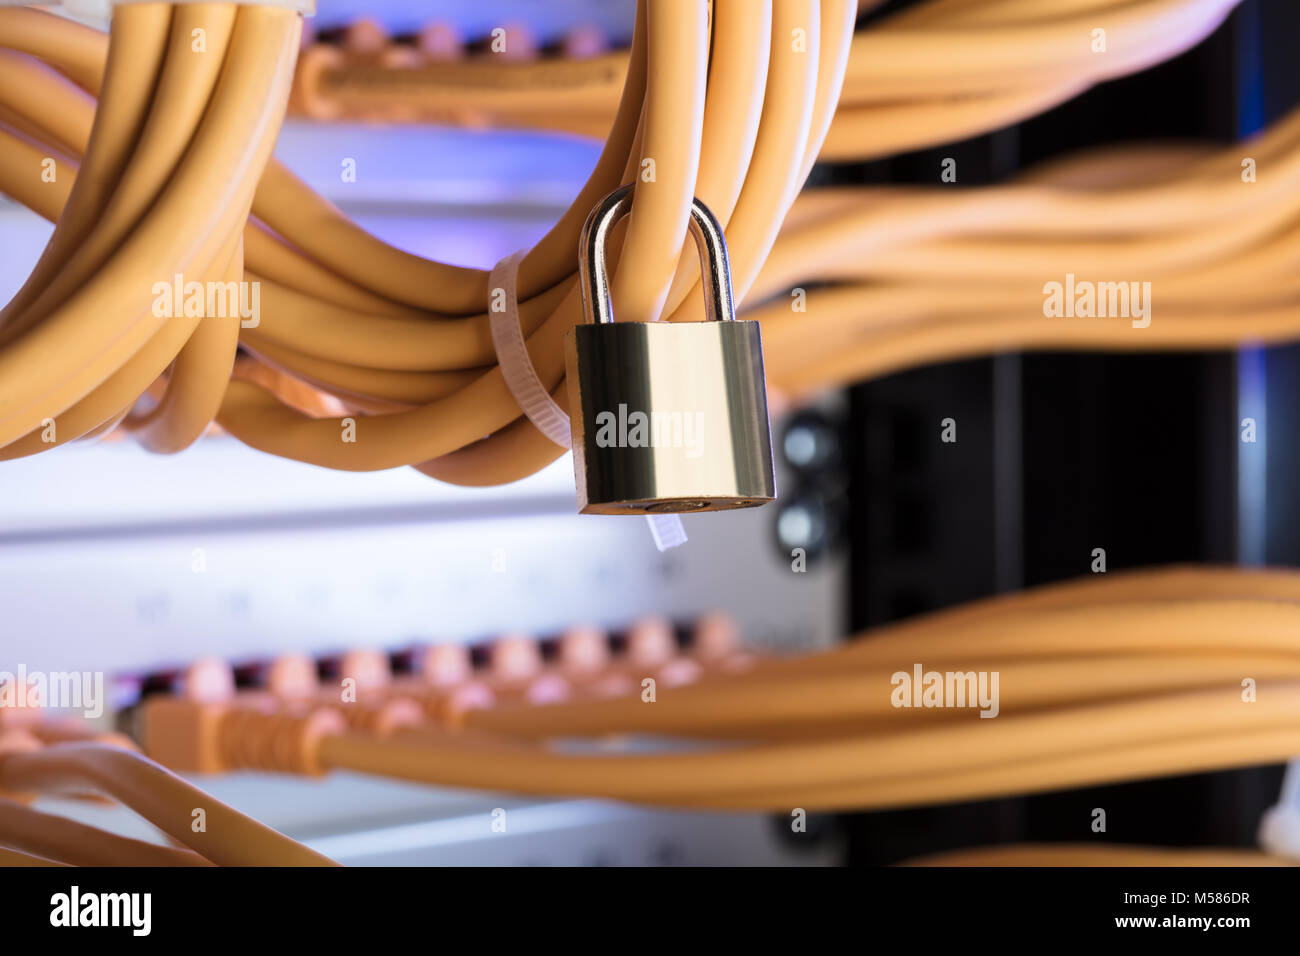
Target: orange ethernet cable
(60,840)
(847,239)
(1124,690)
(1187,715)
(811,246)
(80,251)
(937,72)
(1104,626)
(107,256)
(800,103)
(387,358)
(159,796)
(18,858)
(1057,747)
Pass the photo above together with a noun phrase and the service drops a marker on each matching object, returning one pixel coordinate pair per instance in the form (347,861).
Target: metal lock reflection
(666,416)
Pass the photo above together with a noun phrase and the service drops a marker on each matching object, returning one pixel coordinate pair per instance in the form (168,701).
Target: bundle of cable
(1110,679)
(723,108)
(938,72)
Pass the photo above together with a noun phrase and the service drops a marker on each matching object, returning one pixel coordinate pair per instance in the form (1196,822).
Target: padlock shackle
(715,267)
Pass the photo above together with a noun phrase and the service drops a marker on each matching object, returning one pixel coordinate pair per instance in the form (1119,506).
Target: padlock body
(668,417)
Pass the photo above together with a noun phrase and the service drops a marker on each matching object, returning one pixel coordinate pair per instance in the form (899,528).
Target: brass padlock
(666,416)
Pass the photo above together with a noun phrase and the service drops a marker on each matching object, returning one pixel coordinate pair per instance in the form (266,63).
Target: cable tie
(512,354)
(529,392)
(667,530)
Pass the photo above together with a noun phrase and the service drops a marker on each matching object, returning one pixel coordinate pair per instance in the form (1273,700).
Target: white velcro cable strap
(512,354)
(667,530)
(529,392)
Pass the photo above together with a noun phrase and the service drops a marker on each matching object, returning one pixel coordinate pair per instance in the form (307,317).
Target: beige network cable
(938,72)
(165,188)
(76,767)
(178,154)
(56,839)
(1121,678)
(1111,678)
(404,342)
(313,264)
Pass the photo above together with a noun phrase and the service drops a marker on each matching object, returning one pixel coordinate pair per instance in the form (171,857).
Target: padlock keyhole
(674,506)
